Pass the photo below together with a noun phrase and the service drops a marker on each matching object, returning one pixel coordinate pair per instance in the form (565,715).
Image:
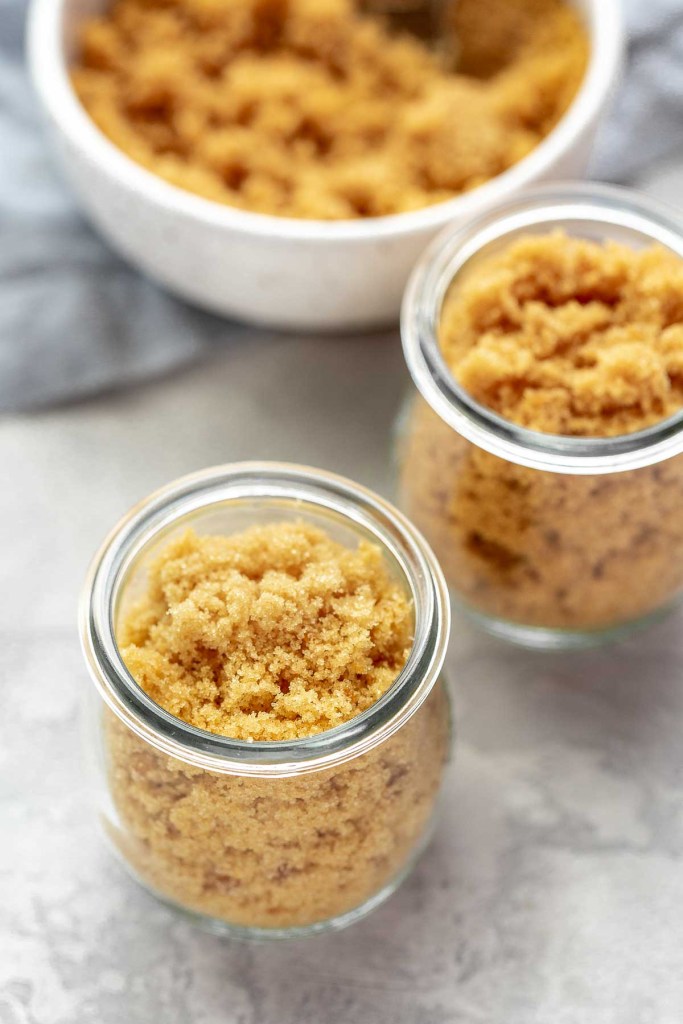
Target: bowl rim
(48,69)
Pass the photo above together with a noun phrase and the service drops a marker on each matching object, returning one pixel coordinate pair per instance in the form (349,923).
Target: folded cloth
(646,121)
(75,319)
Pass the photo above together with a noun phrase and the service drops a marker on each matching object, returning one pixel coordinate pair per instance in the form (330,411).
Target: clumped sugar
(274,633)
(310,109)
(568,337)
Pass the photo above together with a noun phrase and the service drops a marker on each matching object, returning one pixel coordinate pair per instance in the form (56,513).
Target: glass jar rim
(543,208)
(253,482)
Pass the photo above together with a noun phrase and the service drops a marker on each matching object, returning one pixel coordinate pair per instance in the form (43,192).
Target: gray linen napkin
(74,319)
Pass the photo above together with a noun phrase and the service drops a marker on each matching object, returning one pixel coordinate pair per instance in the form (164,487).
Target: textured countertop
(553,892)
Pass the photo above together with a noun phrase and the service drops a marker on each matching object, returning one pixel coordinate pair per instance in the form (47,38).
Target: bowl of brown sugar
(286,161)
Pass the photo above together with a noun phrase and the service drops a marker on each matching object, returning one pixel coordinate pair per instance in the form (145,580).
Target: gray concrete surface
(553,892)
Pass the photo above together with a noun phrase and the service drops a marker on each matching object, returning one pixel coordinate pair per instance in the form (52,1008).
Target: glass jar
(267,839)
(548,541)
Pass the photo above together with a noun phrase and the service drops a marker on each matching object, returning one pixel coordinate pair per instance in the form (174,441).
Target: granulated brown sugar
(544,549)
(570,337)
(306,108)
(277,853)
(274,633)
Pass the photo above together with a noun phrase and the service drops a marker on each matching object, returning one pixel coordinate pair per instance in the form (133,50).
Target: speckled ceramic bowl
(287,273)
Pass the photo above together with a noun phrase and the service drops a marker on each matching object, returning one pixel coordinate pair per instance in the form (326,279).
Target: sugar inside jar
(269,723)
(542,456)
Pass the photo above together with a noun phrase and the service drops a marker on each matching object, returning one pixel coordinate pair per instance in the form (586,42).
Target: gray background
(553,892)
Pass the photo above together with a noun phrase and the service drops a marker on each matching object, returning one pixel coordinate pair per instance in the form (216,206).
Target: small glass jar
(548,541)
(267,839)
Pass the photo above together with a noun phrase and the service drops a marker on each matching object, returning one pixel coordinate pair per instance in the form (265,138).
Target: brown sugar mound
(274,633)
(308,109)
(567,336)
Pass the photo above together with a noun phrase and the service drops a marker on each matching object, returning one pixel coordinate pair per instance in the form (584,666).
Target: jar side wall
(273,853)
(538,548)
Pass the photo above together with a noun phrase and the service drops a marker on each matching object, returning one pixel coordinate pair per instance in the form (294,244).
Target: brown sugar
(279,852)
(573,338)
(570,337)
(310,109)
(539,548)
(274,633)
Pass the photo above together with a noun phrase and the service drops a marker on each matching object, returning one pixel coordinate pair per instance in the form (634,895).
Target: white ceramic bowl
(292,274)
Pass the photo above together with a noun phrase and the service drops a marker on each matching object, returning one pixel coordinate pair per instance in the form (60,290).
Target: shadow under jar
(546,540)
(267,839)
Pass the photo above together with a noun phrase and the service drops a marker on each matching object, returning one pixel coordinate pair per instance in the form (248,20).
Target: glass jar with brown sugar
(542,457)
(268,725)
